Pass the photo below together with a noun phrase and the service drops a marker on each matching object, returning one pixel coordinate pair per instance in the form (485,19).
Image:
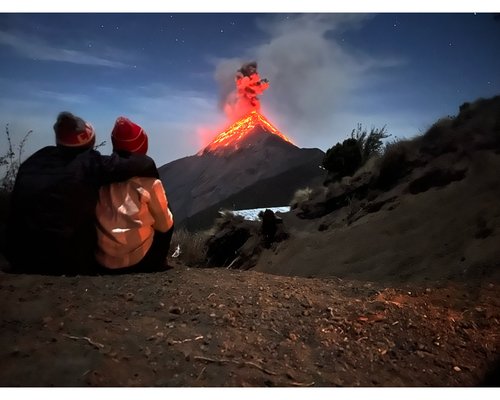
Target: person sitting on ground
(51,226)
(134,221)
(271,228)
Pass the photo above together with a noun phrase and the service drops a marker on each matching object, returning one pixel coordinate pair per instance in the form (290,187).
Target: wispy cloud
(37,92)
(36,48)
(63,98)
(160,100)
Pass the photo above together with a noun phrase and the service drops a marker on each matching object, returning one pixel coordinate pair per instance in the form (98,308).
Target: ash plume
(242,98)
(315,77)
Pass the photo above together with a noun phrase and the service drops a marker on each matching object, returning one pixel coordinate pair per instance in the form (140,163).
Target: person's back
(52,221)
(134,222)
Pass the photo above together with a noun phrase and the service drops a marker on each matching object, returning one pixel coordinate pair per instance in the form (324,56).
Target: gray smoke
(312,74)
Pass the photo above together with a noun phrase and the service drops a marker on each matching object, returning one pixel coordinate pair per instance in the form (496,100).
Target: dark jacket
(51,226)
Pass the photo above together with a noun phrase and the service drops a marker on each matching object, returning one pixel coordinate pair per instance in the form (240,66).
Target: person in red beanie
(134,221)
(51,226)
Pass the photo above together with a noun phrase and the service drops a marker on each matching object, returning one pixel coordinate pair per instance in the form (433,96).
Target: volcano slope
(248,157)
(411,299)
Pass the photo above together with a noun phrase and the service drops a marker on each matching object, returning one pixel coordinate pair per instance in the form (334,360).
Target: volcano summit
(238,135)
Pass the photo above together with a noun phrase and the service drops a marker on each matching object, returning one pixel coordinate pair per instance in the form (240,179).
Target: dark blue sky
(166,72)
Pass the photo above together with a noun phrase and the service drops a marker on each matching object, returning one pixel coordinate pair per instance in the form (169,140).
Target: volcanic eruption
(242,107)
(250,164)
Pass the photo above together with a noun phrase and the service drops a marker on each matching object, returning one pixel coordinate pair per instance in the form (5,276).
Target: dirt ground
(217,327)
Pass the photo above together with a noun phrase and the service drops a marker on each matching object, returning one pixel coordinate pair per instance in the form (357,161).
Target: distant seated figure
(134,221)
(271,228)
(51,226)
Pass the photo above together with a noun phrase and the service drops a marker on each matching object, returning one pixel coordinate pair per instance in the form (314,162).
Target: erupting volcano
(250,164)
(234,137)
(243,107)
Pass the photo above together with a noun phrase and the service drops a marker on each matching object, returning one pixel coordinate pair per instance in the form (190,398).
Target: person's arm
(115,168)
(158,207)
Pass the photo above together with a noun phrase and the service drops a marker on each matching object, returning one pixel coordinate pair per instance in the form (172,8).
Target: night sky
(167,72)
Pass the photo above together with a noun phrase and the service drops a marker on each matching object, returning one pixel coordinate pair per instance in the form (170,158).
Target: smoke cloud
(314,77)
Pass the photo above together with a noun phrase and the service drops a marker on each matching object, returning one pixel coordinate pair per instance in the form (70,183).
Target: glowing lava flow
(237,132)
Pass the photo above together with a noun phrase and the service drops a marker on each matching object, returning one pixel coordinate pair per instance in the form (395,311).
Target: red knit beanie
(128,136)
(72,131)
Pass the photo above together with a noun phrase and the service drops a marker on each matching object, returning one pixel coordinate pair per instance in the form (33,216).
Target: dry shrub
(11,160)
(441,138)
(345,158)
(478,124)
(307,195)
(370,167)
(300,196)
(439,129)
(191,244)
(476,127)
(395,163)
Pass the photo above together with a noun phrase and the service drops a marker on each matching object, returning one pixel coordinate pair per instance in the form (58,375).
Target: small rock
(455,368)
(175,310)
(129,296)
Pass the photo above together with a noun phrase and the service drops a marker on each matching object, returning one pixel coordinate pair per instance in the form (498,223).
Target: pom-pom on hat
(72,131)
(127,136)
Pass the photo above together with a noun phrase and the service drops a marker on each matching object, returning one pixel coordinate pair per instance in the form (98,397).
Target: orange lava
(237,131)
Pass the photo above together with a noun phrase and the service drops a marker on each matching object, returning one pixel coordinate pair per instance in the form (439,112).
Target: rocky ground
(219,327)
